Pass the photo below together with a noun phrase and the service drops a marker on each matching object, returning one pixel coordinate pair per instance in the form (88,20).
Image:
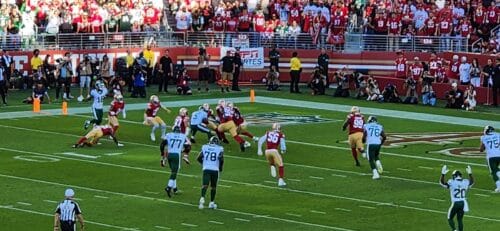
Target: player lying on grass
(374,137)
(490,142)
(458,190)
(95,134)
(212,159)
(174,143)
(274,139)
(152,119)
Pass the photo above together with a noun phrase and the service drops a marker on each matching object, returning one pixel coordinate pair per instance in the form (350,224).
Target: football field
(123,188)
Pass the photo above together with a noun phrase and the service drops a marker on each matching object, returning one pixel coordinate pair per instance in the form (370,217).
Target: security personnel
(323,59)
(274,58)
(238,64)
(295,70)
(66,213)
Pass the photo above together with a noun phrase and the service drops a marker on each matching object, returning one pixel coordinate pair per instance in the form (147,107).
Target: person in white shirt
(458,190)
(464,71)
(183,19)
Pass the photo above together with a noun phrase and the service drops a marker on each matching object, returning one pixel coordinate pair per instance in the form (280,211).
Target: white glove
(120,145)
(468,169)
(124,116)
(444,170)
(260,153)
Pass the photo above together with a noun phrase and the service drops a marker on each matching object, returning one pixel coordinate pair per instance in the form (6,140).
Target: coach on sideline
(65,219)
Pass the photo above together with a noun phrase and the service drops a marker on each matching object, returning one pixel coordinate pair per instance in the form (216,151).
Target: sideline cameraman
(428,94)
(65,70)
(139,78)
(317,82)
(372,89)
(411,91)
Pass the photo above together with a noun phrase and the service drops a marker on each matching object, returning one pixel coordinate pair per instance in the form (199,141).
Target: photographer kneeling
(411,91)
(39,92)
(317,82)
(428,94)
(454,97)
(183,81)
(342,79)
(373,90)
(272,79)
(390,94)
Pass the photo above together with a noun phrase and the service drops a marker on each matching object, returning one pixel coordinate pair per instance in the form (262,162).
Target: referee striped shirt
(67,210)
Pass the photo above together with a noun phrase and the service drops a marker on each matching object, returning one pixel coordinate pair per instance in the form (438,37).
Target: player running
(200,122)
(95,134)
(458,189)
(374,137)
(151,117)
(212,159)
(274,139)
(182,121)
(117,106)
(490,142)
(241,125)
(174,142)
(355,122)
(98,94)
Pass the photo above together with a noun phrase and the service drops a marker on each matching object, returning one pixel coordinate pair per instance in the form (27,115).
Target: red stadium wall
(379,64)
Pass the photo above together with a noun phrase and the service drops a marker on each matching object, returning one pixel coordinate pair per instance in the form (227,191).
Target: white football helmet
(276,126)
(206,107)
(154,99)
(230,104)
(222,102)
(119,97)
(183,111)
(355,109)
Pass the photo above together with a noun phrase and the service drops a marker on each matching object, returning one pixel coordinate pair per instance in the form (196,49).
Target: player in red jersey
(401,66)
(95,134)
(295,13)
(117,106)
(227,125)
(244,21)
(416,69)
(182,121)
(493,15)
(274,139)
(239,120)
(355,122)
(151,117)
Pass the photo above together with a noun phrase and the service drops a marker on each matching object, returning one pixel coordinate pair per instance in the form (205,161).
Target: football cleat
(202,203)
(212,205)
(273,171)
(497,190)
(120,145)
(152,136)
(75,146)
(225,141)
(169,191)
(375,174)
(242,147)
(379,166)
(255,139)
(175,190)
(247,144)
(186,159)
(363,154)
(86,125)
(281,182)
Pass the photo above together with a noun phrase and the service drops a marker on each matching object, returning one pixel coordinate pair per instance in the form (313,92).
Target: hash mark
(481,195)
(414,202)
(342,209)
(161,227)
(404,169)
(435,199)
(241,219)
(189,225)
(293,214)
(24,203)
(425,167)
(316,177)
(216,222)
(318,212)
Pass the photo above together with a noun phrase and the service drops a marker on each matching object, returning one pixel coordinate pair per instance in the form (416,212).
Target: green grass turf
(325,190)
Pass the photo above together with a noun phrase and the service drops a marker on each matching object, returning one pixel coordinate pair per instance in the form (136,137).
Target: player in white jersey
(98,94)
(212,159)
(490,142)
(374,137)
(199,122)
(458,191)
(174,142)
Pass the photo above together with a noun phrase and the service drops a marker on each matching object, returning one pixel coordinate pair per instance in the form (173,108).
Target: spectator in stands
(394,24)
(488,73)
(475,73)
(470,98)
(272,79)
(294,32)
(183,20)
(464,71)
(454,97)
(111,25)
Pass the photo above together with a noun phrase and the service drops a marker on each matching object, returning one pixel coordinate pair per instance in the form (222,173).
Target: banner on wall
(253,58)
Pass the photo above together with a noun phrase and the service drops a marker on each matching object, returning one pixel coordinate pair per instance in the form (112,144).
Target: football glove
(259,153)
(163,161)
(468,169)
(444,170)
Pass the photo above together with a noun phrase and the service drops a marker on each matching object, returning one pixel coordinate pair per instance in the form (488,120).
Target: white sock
(175,184)
(171,183)
(163,130)
(498,183)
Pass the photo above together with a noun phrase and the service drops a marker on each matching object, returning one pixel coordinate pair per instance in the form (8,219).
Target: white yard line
(79,155)
(189,225)
(241,219)
(318,212)
(216,222)
(113,154)
(24,203)
(52,215)
(366,207)
(162,227)
(178,203)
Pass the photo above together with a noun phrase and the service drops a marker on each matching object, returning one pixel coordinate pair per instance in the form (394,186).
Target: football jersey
(152,109)
(238,118)
(106,130)
(491,143)
(458,189)
(175,142)
(274,139)
(212,154)
(180,121)
(228,113)
(98,97)
(198,116)
(400,67)
(356,122)
(116,107)
(373,133)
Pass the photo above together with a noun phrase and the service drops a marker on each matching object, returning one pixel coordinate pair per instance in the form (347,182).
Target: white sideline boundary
(52,215)
(292,164)
(391,204)
(172,202)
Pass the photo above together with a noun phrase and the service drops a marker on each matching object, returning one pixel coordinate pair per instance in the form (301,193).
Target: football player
(95,134)
(490,142)
(174,143)
(227,125)
(274,139)
(151,117)
(458,189)
(212,159)
(242,126)
(117,106)
(98,93)
(182,121)
(220,117)
(355,122)
(200,122)
(374,137)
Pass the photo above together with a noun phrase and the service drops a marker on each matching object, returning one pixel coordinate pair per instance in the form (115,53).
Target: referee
(65,219)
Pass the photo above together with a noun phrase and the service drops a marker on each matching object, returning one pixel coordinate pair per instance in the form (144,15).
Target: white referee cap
(69,193)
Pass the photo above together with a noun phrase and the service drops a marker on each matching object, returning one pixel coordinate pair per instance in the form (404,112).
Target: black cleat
(357,164)
(225,141)
(175,191)
(192,140)
(75,146)
(169,191)
(206,89)
(242,147)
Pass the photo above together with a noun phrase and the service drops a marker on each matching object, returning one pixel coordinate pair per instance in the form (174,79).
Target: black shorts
(65,81)
(203,74)
(68,226)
